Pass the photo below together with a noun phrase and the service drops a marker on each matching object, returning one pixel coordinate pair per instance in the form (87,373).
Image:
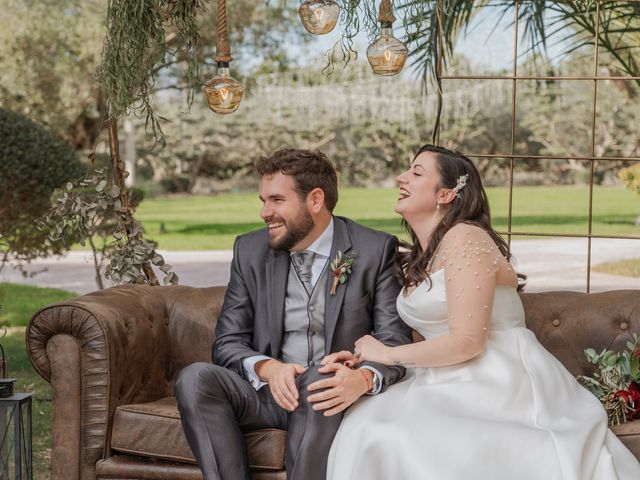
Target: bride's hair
(470,206)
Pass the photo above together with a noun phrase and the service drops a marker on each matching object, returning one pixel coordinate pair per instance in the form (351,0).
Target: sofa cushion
(154,430)
(127,467)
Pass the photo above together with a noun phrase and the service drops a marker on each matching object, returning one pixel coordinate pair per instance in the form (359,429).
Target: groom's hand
(344,388)
(281,378)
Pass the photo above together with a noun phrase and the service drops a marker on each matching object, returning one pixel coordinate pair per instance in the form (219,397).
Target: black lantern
(15,429)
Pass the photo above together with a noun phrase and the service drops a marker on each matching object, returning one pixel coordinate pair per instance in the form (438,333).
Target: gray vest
(303,340)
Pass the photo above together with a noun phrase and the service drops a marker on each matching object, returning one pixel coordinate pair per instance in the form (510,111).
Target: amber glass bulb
(387,54)
(223,92)
(319,16)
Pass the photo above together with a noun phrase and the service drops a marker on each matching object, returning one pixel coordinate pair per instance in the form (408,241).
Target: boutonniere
(341,268)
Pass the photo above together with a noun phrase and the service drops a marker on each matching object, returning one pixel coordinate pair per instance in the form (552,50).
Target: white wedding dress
(511,413)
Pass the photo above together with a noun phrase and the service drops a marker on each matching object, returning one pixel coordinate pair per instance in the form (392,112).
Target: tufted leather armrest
(99,351)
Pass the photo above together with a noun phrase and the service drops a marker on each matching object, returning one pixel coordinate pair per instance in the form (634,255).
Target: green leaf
(170,278)
(634,365)
(610,360)
(127,278)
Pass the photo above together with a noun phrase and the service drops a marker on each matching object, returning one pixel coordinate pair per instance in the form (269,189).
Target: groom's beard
(295,230)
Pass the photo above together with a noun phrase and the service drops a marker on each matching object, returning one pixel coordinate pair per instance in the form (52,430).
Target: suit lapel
(277,270)
(333,303)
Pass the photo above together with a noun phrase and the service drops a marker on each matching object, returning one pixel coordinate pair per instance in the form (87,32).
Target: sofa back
(192,316)
(564,322)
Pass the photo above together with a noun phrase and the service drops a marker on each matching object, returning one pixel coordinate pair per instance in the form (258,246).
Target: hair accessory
(460,184)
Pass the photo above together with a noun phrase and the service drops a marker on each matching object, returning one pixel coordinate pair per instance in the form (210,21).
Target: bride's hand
(337,357)
(369,349)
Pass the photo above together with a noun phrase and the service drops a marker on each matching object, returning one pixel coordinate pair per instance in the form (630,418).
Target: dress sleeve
(470,260)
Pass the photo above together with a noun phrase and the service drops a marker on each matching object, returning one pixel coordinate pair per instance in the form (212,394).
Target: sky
(487,44)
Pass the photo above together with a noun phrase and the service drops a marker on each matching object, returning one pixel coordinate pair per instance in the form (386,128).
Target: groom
(284,321)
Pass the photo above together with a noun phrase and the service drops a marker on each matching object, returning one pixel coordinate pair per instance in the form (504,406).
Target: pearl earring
(437,206)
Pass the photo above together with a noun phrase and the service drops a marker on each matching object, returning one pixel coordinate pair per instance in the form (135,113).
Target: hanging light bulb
(319,16)
(387,55)
(223,92)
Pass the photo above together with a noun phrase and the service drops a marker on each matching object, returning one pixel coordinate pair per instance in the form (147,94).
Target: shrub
(630,176)
(33,163)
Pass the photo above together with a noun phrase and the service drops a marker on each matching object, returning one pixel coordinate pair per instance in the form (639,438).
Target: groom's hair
(309,168)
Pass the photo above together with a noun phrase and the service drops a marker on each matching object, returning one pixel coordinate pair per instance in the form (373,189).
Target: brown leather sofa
(112,358)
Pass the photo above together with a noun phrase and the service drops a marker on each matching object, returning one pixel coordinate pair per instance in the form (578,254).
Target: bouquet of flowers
(616,381)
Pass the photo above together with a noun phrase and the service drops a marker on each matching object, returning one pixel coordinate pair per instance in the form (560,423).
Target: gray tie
(303,262)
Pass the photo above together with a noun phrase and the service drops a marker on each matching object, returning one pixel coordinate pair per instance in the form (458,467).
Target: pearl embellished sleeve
(470,260)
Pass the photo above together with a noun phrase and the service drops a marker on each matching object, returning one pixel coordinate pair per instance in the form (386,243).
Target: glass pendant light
(387,55)
(319,16)
(223,92)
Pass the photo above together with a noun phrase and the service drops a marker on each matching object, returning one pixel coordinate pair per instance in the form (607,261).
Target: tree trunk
(130,152)
(96,265)
(119,175)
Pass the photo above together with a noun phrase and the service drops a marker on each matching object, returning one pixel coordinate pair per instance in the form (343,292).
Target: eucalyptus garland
(89,210)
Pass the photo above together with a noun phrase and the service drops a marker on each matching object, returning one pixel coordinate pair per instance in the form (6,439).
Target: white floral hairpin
(460,184)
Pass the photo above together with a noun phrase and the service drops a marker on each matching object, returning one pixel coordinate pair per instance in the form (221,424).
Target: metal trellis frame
(441,79)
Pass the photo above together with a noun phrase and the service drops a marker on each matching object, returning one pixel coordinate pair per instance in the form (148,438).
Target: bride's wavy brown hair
(471,206)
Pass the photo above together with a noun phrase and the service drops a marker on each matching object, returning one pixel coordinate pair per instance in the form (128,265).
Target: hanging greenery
(428,22)
(139,32)
(135,46)
(135,49)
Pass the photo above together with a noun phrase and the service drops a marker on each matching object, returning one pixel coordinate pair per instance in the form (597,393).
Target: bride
(483,400)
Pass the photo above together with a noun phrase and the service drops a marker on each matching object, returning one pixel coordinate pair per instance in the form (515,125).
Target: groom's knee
(196,380)
(303,381)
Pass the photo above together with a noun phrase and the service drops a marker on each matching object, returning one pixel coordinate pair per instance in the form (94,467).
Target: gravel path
(551,264)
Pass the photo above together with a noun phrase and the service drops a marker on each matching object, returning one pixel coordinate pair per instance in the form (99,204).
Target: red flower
(631,397)
(634,388)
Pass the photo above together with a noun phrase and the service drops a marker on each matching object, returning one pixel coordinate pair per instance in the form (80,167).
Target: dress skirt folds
(512,413)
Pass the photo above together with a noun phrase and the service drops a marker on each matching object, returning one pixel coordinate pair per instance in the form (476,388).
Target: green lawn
(19,302)
(627,268)
(212,222)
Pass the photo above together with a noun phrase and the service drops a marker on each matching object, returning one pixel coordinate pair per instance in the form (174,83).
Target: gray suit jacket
(252,316)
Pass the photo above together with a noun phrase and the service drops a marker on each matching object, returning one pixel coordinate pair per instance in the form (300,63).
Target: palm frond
(541,22)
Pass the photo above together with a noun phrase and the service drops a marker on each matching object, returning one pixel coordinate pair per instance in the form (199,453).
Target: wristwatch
(376,383)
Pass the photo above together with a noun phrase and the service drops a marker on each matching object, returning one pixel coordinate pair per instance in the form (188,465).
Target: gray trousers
(216,405)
